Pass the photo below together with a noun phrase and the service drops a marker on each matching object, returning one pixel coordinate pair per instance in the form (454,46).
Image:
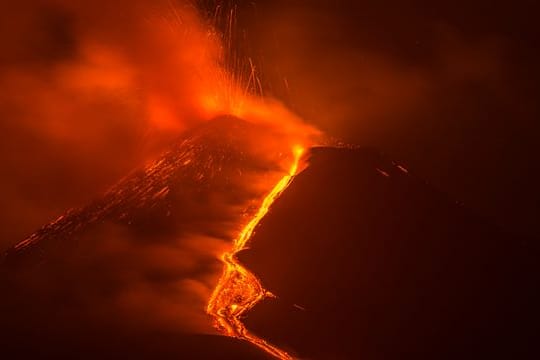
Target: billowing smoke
(90,91)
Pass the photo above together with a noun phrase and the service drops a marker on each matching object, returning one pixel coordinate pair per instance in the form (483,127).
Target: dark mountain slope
(382,266)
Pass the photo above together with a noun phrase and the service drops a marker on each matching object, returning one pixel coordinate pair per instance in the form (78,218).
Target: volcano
(134,269)
(363,261)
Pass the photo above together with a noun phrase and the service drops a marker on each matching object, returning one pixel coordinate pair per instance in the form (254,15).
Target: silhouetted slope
(169,195)
(388,268)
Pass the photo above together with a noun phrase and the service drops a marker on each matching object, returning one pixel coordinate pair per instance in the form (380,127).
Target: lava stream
(238,290)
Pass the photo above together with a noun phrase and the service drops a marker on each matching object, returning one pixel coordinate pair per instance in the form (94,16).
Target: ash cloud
(88,91)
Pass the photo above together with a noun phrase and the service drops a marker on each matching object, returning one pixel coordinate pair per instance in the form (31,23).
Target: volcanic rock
(368,262)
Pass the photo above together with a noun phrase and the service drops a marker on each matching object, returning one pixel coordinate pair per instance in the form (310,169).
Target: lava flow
(238,290)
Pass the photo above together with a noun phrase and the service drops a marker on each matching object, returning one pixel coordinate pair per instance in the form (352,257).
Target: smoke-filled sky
(89,90)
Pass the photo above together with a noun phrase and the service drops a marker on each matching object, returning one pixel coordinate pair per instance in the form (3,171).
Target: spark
(382,172)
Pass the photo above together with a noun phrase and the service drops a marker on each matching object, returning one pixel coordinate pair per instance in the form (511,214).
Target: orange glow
(118,95)
(238,290)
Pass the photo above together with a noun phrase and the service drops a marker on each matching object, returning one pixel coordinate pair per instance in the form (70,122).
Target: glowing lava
(238,290)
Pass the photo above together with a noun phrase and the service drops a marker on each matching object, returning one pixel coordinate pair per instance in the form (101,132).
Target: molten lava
(238,290)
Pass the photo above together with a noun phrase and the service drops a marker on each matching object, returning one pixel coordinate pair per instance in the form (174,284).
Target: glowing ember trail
(238,290)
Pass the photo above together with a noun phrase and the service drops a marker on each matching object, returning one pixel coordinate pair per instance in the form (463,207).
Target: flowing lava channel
(238,290)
